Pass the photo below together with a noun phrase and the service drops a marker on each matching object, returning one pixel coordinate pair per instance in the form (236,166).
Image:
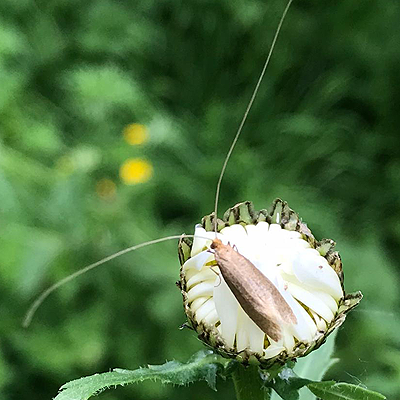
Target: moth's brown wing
(257,295)
(260,314)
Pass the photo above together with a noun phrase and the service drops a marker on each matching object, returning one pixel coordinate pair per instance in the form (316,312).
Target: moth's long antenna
(36,304)
(253,96)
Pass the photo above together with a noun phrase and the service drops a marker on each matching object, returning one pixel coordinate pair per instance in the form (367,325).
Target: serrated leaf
(203,366)
(330,390)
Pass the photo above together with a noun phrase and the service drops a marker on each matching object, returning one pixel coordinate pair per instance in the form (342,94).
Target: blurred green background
(115,117)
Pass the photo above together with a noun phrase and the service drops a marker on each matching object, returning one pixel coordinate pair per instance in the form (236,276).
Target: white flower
(291,259)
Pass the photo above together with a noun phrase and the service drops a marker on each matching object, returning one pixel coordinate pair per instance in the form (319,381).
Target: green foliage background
(323,135)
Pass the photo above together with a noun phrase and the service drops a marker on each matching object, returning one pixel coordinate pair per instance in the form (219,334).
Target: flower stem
(248,384)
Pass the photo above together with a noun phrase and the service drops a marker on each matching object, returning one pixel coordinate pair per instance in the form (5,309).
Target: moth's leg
(234,247)
(211,267)
(216,273)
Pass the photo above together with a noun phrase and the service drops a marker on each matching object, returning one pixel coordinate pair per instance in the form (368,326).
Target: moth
(257,295)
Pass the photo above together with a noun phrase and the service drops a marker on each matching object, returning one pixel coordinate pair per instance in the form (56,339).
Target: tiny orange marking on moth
(256,294)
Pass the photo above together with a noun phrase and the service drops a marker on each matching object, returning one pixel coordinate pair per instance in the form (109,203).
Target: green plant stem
(248,384)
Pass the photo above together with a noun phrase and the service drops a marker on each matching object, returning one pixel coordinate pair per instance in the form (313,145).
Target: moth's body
(256,294)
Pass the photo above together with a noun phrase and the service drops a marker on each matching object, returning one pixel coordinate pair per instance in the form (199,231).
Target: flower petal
(256,337)
(227,309)
(204,275)
(236,235)
(327,299)
(242,338)
(314,271)
(212,317)
(198,302)
(201,290)
(305,329)
(205,309)
(311,301)
(288,340)
(273,350)
(199,242)
(198,260)
(321,324)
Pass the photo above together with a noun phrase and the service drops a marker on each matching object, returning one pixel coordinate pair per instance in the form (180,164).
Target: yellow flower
(135,170)
(135,134)
(106,189)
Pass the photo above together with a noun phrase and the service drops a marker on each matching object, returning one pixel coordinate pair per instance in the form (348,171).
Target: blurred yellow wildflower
(135,134)
(106,189)
(135,170)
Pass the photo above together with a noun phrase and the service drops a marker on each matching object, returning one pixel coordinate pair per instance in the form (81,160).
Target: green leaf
(202,366)
(249,383)
(316,364)
(287,384)
(330,390)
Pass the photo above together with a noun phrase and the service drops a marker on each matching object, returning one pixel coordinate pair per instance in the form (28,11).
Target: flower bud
(306,273)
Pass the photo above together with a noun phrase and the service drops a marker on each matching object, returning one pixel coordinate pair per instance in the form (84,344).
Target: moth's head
(216,244)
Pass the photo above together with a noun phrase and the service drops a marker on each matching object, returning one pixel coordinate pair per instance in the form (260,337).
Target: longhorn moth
(281,291)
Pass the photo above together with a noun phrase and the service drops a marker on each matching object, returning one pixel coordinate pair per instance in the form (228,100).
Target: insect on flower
(256,285)
(279,293)
(262,301)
